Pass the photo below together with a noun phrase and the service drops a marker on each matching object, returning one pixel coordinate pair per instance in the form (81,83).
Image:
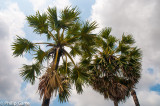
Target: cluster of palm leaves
(116,67)
(110,66)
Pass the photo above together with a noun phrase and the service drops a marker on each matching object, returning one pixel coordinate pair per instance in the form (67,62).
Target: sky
(141,18)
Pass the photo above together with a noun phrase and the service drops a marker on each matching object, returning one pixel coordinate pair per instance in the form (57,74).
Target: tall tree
(67,37)
(116,67)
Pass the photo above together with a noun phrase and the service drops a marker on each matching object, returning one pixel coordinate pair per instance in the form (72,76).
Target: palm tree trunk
(115,103)
(133,93)
(45,101)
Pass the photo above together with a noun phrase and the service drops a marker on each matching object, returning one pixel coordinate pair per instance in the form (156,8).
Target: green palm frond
(127,39)
(85,61)
(124,49)
(53,18)
(73,30)
(22,45)
(99,42)
(29,72)
(62,68)
(88,27)
(111,41)
(105,33)
(75,50)
(87,50)
(64,96)
(136,53)
(41,55)
(79,77)
(69,16)
(79,84)
(38,22)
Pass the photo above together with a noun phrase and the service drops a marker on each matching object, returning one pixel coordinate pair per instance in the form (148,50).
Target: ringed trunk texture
(115,103)
(46,100)
(133,93)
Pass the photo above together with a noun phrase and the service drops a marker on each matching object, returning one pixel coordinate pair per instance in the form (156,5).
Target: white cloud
(38,4)
(60,4)
(42,5)
(11,21)
(88,98)
(141,19)
(31,92)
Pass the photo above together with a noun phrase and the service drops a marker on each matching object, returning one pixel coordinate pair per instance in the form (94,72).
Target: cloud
(38,4)
(88,98)
(4,30)
(11,21)
(141,19)
(60,4)
(43,4)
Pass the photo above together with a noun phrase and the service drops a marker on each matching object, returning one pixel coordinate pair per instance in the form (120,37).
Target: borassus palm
(116,67)
(67,37)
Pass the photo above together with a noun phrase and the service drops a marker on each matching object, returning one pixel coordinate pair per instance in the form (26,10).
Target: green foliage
(63,30)
(79,78)
(74,30)
(75,50)
(105,62)
(29,72)
(41,55)
(52,17)
(64,96)
(22,45)
(69,16)
(65,68)
(116,67)
(105,33)
(38,22)
(127,39)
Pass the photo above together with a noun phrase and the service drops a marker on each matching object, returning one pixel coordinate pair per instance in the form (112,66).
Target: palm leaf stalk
(62,31)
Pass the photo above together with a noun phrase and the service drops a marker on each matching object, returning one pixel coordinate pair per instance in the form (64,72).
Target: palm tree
(115,67)
(67,37)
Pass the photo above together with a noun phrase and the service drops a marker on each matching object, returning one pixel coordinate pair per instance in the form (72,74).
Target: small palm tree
(63,32)
(115,67)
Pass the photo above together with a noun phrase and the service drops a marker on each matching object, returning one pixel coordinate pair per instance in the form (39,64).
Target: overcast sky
(141,18)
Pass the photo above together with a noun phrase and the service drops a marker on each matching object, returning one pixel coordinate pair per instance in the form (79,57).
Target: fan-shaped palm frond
(38,22)
(41,55)
(64,96)
(22,45)
(29,72)
(53,18)
(69,16)
(105,33)
(79,78)
(127,39)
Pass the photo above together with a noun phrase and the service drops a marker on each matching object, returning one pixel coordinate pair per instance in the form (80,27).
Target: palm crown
(116,66)
(63,31)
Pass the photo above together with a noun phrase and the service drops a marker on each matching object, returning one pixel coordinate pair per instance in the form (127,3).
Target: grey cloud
(11,22)
(4,30)
(9,78)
